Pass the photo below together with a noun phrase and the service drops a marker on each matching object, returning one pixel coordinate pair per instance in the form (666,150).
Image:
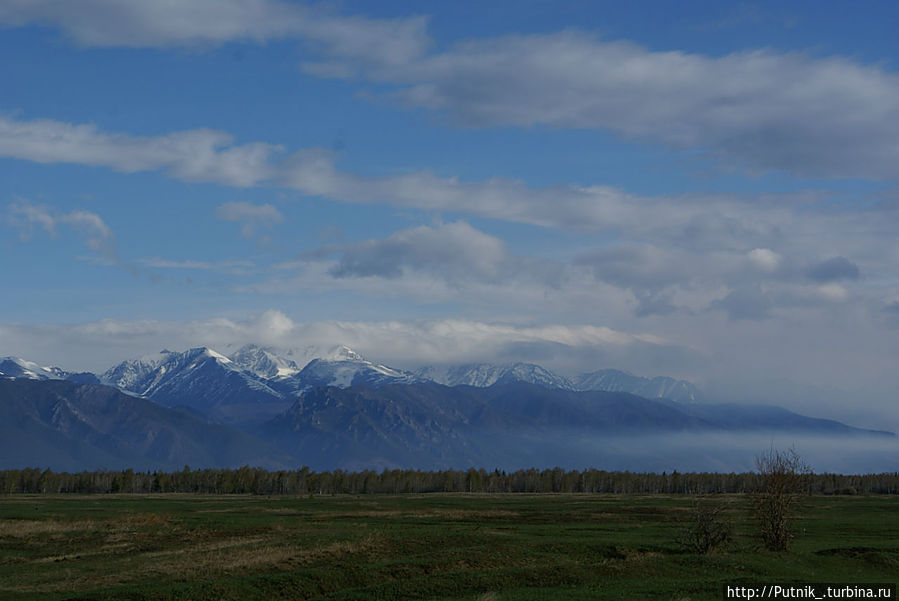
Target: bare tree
(707,530)
(783,476)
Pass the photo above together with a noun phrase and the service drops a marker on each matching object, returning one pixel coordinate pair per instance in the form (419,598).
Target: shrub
(783,476)
(708,529)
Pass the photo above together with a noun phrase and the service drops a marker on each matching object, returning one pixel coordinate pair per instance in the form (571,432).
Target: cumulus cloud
(447,262)
(455,250)
(764,259)
(28,217)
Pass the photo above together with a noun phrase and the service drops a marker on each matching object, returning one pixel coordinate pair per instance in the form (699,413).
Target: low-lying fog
(717,452)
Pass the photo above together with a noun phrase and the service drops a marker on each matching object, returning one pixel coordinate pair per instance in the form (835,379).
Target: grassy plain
(474,547)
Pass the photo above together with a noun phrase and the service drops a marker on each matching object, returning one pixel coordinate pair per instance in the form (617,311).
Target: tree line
(303,481)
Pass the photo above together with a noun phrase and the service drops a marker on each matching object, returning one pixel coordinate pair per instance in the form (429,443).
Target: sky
(703,190)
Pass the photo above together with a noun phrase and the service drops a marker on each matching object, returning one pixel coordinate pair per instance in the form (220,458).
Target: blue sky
(701,189)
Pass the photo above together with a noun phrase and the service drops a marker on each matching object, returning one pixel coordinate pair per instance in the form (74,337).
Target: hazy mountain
(392,426)
(203,380)
(427,425)
(660,387)
(69,426)
(488,374)
(343,410)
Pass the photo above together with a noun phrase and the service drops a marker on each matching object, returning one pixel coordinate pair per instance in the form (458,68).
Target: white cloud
(833,292)
(199,155)
(27,217)
(764,259)
(454,251)
(185,23)
(663,251)
(98,345)
(826,117)
(808,116)
(204,155)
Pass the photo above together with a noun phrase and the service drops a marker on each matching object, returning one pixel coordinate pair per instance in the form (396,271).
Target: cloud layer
(761,109)
(744,256)
(403,343)
(807,116)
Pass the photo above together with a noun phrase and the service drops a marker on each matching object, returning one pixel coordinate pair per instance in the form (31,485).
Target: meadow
(487,547)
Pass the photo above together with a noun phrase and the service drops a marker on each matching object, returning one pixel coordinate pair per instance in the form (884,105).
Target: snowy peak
(343,353)
(202,379)
(613,380)
(265,362)
(488,374)
(343,367)
(16,368)
(144,376)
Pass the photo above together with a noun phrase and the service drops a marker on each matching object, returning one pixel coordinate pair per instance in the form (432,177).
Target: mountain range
(260,407)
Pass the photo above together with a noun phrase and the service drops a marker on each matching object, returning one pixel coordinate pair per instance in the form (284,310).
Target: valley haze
(695,206)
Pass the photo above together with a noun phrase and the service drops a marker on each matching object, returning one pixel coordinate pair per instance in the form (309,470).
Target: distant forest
(258,481)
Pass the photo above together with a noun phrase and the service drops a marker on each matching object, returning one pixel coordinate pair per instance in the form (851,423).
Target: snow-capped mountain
(613,380)
(16,368)
(265,362)
(201,379)
(488,374)
(343,367)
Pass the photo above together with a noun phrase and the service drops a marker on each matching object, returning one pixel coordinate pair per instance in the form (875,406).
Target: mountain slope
(392,426)
(203,380)
(69,426)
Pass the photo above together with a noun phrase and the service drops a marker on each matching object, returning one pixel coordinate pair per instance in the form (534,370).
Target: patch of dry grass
(34,528)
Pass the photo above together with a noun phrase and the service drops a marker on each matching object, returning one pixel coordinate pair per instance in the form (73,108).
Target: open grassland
(488,547)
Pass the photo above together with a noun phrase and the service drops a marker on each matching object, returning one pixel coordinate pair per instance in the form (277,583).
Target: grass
(472,547)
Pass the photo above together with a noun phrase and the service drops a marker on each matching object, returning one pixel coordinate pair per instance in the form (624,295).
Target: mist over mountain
(660,387)
(430,426)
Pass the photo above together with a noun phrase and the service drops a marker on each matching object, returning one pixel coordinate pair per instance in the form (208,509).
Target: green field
(490,547)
